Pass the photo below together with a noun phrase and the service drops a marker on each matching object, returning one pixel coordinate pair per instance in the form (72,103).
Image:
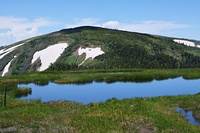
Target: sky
(22,19)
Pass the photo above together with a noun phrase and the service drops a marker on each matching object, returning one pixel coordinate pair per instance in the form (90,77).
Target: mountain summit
(90,47)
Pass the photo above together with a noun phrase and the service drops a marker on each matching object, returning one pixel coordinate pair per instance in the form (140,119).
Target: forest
(122,49)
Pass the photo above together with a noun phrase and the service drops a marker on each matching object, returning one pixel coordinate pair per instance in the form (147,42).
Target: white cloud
(153,27)
(111,24)
(149,26)
(14,29)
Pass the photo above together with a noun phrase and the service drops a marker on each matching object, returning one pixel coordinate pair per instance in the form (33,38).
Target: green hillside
(121,50)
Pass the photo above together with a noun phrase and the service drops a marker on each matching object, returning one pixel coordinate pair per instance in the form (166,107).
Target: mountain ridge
(119,49)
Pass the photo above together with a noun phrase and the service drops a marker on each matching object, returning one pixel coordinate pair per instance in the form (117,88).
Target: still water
(188,115)
(101,91)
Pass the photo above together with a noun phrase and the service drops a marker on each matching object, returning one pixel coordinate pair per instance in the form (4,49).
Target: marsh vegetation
(99,75)
(156,114)
(127,115)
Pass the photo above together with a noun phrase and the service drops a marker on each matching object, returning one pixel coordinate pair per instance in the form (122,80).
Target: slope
(98,48)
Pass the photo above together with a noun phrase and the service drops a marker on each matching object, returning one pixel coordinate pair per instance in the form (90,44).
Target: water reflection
(102,91)
(14,90)
(188,115)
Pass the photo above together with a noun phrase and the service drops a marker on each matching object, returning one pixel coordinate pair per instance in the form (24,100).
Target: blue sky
(21,19)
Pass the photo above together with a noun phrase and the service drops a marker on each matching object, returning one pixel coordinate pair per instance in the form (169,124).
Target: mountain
(97,48)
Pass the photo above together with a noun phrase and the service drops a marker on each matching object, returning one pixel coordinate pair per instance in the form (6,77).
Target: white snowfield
(49,55)
(90,53)
(6,68)
(4,52)
(185,42)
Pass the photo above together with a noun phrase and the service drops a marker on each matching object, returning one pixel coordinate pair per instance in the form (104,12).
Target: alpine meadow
(86,55)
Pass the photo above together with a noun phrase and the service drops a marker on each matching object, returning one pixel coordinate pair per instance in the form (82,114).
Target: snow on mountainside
(6,69)
(49,55)
(4,52)
(90,53)
(77,48)
(187,43)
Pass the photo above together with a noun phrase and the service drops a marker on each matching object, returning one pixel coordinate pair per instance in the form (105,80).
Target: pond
(102,91)
(188,115)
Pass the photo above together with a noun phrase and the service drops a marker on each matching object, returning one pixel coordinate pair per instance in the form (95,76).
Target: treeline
(62,66)
(190,61)
(132,56)
(128,50)
(122,50)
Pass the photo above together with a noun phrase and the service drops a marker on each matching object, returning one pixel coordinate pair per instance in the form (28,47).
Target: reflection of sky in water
(188,115)
(96,92)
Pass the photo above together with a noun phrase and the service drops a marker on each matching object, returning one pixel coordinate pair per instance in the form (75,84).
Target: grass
(14,91)
(127,115)
(111,75)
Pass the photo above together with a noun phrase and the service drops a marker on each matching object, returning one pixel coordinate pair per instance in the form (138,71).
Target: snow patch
(90,53)
(6,68)
(185,42)
(49,55)
(4,52)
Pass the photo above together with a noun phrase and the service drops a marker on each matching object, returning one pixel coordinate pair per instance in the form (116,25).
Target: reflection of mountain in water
(102,91)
